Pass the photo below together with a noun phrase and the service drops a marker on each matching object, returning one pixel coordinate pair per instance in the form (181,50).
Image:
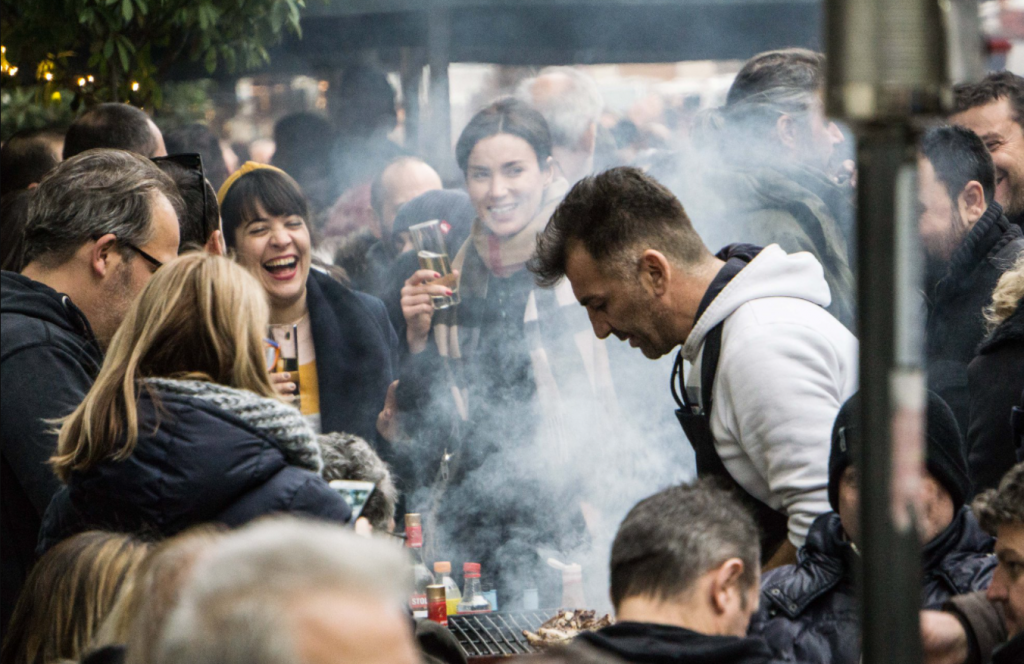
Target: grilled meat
(565,627)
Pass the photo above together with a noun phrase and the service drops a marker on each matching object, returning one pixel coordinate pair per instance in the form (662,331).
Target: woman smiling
(347,348)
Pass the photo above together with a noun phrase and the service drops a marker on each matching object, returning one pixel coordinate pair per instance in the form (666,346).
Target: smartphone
(356,494)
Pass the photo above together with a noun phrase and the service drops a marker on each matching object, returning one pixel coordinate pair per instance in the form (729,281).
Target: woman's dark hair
(505,116)
(275,192)
(13,217)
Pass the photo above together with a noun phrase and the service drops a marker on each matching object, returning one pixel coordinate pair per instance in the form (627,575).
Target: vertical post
(411,72)
(439,38)
(891,388)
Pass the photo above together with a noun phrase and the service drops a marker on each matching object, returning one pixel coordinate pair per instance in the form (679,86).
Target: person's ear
(786,129)
(549,171)
(101,253)
(972,202)
(655,272)
(726,586)
(215,245)
(588,142)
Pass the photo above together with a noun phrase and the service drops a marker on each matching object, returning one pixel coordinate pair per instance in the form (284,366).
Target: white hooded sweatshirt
(786,367)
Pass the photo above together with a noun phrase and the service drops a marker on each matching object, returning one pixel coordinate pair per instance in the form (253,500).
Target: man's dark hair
(13,216)
(1005,505)
(276,193)
(27,156)
(611,214)
(670,540)
(113,126)
(993,88)
(959,157)
(197,138)
(97,193)
(795,68)
(197,223)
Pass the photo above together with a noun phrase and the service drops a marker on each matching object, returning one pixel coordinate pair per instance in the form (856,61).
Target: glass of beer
(433,254)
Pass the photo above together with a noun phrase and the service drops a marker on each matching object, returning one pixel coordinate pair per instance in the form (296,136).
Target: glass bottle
(443,571)
(421,575)
(472,599)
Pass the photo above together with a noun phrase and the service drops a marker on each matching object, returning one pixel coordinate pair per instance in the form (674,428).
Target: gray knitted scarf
(281,423)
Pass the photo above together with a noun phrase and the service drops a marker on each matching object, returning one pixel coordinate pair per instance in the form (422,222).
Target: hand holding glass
(433,254)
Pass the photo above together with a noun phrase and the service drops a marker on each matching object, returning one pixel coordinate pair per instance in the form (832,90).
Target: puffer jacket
(206,454)
(809,611)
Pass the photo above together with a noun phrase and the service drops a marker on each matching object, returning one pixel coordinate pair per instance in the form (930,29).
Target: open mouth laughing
(282,269)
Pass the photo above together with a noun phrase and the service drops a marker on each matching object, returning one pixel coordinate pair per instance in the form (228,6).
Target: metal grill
(496,635)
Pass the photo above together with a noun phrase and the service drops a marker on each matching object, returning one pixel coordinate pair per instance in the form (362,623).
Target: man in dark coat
(988,626)
(684,572)
(969,244)
(809,610)
(98,227)
(996,384)
(775,172)
(993,108)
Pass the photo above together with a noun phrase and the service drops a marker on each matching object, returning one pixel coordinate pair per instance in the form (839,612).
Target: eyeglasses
(192,161)
(148,258)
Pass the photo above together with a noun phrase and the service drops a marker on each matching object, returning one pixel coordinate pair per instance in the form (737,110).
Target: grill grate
(496,634)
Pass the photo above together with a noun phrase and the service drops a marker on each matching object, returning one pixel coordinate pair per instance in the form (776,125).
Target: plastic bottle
(472,600)
(421,575)
(443,571)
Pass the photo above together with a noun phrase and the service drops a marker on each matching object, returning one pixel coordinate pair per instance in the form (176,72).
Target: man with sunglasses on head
(98,227)
(200,219)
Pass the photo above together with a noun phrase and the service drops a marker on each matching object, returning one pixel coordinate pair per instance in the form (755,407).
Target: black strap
(696,422)
(1018,429)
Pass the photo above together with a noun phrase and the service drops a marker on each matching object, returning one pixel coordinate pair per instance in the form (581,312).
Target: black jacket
(643,643)
(1011,653)
(956,304)
(356,355)
(48,361)
(996,383)
(809,611)
(202,464)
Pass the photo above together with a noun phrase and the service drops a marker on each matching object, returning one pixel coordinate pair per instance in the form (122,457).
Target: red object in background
(998,46)
(437,605)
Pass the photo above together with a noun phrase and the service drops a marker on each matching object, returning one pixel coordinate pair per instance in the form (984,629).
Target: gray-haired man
(99,226)
(289,592)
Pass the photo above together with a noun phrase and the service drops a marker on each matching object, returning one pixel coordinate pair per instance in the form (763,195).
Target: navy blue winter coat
(809,611)
(202,464)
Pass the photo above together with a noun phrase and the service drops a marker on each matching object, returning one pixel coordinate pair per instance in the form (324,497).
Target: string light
(13,71)
(135,86)
(48,76)
(81,82)
(91,79)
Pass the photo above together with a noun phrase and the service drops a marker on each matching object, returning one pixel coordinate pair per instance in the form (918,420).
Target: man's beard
(118,296)
(1015,206)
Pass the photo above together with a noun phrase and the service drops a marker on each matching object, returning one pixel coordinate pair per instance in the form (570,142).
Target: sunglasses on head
(192,161)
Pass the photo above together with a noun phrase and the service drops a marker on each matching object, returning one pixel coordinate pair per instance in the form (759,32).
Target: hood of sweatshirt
(772,273)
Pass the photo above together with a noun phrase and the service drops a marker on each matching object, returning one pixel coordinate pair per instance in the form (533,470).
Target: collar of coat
(984,242)
(282,424)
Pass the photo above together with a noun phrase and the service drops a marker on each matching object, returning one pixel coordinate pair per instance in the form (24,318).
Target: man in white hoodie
(772,366)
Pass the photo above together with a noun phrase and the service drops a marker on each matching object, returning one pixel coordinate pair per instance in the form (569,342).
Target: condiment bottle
(443,571)
(572,588)
(472,600)
(421,575)
(437,607)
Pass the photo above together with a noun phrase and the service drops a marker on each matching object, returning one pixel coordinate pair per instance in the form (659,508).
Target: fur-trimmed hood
(205,453)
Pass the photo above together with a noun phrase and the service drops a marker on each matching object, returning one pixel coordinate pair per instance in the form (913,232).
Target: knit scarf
(485,256)
(280,423)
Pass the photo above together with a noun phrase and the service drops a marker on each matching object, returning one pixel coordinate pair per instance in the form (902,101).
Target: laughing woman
(347,348)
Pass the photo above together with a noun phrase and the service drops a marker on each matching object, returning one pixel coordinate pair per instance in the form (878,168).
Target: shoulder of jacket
(791,590)
(788,320)
(39,336)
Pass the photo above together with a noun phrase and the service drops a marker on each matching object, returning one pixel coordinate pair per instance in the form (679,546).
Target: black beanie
(449,206)
(944,454)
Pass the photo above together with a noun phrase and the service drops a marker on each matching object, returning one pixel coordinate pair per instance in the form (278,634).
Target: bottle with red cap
(473,600)
(421,574)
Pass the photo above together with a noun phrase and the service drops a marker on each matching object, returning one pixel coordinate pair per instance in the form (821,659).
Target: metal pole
(439,39)
(887,72)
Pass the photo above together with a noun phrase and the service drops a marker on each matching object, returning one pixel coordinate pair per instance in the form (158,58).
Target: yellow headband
(246,168)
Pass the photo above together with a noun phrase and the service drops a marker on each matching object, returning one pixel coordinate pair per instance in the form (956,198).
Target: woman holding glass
(488,379)
(342,341)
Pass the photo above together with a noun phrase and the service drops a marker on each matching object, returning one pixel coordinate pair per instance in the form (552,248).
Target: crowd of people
(203,347)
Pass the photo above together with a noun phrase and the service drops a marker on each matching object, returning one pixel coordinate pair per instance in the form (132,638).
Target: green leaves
(123,41)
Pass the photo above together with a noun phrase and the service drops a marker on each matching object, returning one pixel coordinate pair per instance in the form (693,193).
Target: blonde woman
(996,384)
(69,593)
(182,426)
